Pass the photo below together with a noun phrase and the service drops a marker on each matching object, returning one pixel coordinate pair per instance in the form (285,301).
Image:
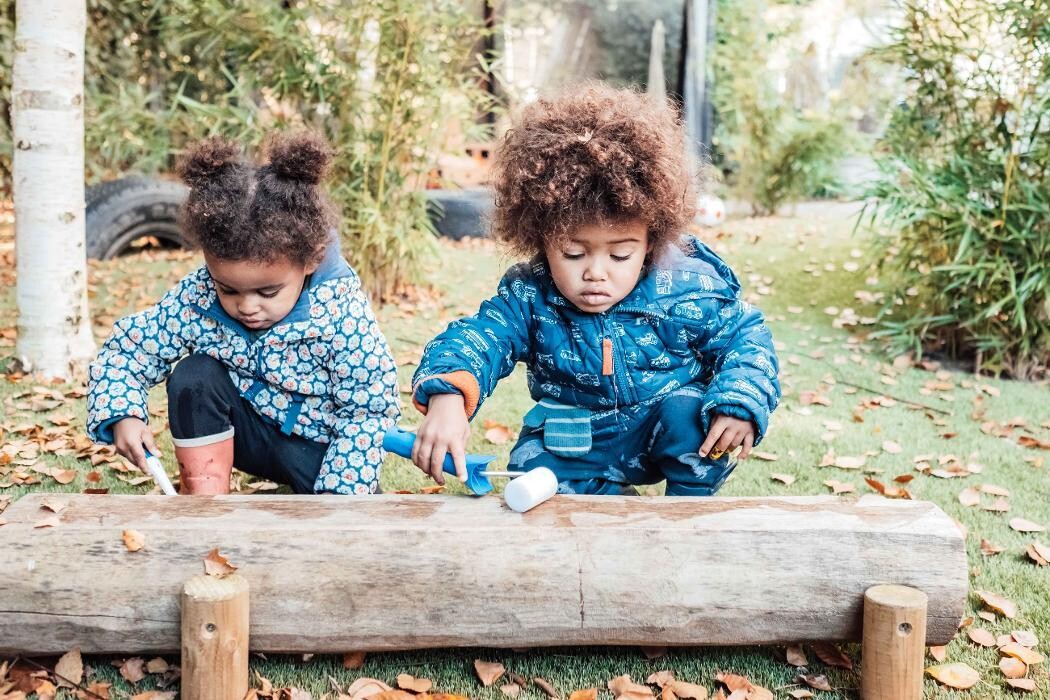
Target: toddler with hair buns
(273,359)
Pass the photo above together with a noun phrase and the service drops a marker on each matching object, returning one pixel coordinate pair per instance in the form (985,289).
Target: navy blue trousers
(632,446)
(203,401)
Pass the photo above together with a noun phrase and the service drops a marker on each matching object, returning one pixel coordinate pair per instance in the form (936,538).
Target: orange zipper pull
(607,359)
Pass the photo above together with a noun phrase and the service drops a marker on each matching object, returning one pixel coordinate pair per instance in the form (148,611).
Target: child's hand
(728,433)
(129,435)
(445,429)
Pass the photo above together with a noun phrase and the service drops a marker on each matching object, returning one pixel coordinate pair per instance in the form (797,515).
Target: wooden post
(894,643)
(215,638)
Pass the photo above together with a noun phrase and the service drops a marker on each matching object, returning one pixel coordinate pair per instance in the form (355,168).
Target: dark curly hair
(239,210)
(597,155)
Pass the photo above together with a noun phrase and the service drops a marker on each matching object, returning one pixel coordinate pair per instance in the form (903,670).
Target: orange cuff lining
(462,380)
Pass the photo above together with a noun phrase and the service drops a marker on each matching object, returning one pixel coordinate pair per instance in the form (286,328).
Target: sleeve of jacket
(474,353)
(738,347)
(139,354)
(366,403)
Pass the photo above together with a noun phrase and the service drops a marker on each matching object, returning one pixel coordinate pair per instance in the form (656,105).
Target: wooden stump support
(894,643)
(214,638)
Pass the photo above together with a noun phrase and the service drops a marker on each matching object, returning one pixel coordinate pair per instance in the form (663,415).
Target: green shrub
(379,79)
(772,153)
(963,200)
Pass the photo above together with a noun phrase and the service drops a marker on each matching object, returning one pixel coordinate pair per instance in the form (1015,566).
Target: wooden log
(214,638)
(893,647)
(331,573)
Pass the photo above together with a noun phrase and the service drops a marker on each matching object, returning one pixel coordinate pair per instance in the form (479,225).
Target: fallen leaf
(1023,653)
(957,675)
(891,447)
(1025,638)
(1039,553)
(660,678)
(1025,684)
(133,540)
(586,694)
(688,691)
(838,487)
(45,691)
(70,669)
(981,637)
(816,681)
(132,670)
(488,671)
(365,688)
(795,655)
(64,476)
(50,521)
(785,479)
(847,462)
(157,665)
(395,694)
(217,565)
(998,604)
(988,549)
(155,695)
(831,655)
(497,433)
(354,659)
(1012,668)
(624,687)
(800,693)
(548,689)
(54,505)
(416,685)
(939,653)
(970,496)
(764,456)
(1022,525)
(511,690)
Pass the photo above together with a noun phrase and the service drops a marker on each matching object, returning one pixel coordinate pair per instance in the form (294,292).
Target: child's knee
(196,372)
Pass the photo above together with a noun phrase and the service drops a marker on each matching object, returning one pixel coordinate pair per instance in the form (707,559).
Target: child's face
(257,294)
(599,265)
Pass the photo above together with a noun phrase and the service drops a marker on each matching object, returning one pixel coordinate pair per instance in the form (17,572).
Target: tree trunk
(54,331)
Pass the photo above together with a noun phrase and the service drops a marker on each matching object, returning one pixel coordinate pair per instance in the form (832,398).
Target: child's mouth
(594,298)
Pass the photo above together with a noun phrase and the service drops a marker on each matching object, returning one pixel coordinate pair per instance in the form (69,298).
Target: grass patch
(796,270)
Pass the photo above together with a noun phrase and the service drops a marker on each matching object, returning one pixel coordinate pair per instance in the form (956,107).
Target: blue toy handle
(400,443)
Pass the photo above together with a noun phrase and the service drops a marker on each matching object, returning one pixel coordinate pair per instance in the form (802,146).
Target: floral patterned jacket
(324,372)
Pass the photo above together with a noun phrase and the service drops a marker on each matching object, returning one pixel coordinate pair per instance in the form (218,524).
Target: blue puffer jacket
(323,372)
(683,323)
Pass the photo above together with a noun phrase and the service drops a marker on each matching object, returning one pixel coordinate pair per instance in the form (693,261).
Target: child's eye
(573,256)
(621,258)
(269,295)
(225,292)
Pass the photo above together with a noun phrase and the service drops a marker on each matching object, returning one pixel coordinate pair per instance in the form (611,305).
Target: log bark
(331,573)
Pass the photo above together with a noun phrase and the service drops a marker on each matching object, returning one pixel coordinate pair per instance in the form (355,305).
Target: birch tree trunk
(47,97)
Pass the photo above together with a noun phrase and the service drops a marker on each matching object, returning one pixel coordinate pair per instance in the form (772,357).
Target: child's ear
(310,268)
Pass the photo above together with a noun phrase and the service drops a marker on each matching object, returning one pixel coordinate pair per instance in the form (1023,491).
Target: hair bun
(304,157)
(208,160)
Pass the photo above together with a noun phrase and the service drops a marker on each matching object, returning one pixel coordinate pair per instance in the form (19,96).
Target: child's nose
(594,272)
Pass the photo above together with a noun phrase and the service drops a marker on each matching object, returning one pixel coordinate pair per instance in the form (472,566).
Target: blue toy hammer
(400,443)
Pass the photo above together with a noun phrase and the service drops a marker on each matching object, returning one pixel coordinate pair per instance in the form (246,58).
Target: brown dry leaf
(431,490)
(660,678)
(64,476)
(734,682)
(624,687)
(55,505)
(987,616)
(817,681)
(831,655)
(100,689)
(892,448)
(1012,668)
(688,691)
(764,456)
(800,693)
(1025,684)
(838,487)
(970,496)
(392,694)
(1022,525)
(50,521)
(217,565)
(416,685)
(488,671)
(1039,553)
(365,688)
(133,540)
(939,653)
(70,669)
(1025,638)
(354,659)
(847,462)
(998,604)
(497,433)
(785,479)
(1024,654)
(157,665)
(133,670)
(988,549)
(45,691)
(904,478)
(957,675)
(546,687)
(738,695)
(511,690)
(981,637)
(585,694)
(796,656)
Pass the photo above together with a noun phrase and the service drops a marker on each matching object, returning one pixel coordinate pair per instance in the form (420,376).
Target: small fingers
(712,437)
(150,442)
(459,458)
(729,440)
(749,442)
(437,461)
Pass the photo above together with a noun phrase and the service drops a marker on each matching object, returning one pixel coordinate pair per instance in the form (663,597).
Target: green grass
(769,255)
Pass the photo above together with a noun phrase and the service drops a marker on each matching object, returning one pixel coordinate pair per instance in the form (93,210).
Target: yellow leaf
(217,565)
(957,675)
(1024,654)
(416,685)
(488,672)
(133,540)
(999,604)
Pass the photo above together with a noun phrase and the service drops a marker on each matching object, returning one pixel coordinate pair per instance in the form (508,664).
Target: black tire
(123,211)
(461,213)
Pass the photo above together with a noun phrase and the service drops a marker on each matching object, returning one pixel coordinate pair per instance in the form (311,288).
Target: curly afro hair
(598,155)
(238,210)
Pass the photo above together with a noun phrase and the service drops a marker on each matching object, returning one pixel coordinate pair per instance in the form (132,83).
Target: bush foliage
(381,80)
(963,199)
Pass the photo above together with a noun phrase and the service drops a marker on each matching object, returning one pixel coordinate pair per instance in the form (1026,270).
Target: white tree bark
(54,332)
